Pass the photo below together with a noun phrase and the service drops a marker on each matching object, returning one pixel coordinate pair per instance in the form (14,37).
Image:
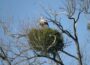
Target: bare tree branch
(61,28)
(76,38)
(69,54)
(4,56)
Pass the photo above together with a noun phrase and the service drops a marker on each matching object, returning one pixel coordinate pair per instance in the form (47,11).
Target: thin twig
(69,54)
(5,56)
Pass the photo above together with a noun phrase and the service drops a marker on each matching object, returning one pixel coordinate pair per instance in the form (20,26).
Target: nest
(46,40)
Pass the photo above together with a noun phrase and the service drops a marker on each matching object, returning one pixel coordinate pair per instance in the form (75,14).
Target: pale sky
(19,10)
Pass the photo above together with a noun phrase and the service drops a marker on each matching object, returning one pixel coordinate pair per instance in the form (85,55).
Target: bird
(43,23)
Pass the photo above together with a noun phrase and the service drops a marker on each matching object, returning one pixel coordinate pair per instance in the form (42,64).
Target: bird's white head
(43,22)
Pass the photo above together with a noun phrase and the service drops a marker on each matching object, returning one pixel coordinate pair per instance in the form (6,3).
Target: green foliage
(41,39)
(88,26)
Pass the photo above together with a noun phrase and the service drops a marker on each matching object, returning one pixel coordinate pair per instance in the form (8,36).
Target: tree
(73,11)
(88,26)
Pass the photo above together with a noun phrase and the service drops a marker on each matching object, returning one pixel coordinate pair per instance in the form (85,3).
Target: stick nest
(46,40)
